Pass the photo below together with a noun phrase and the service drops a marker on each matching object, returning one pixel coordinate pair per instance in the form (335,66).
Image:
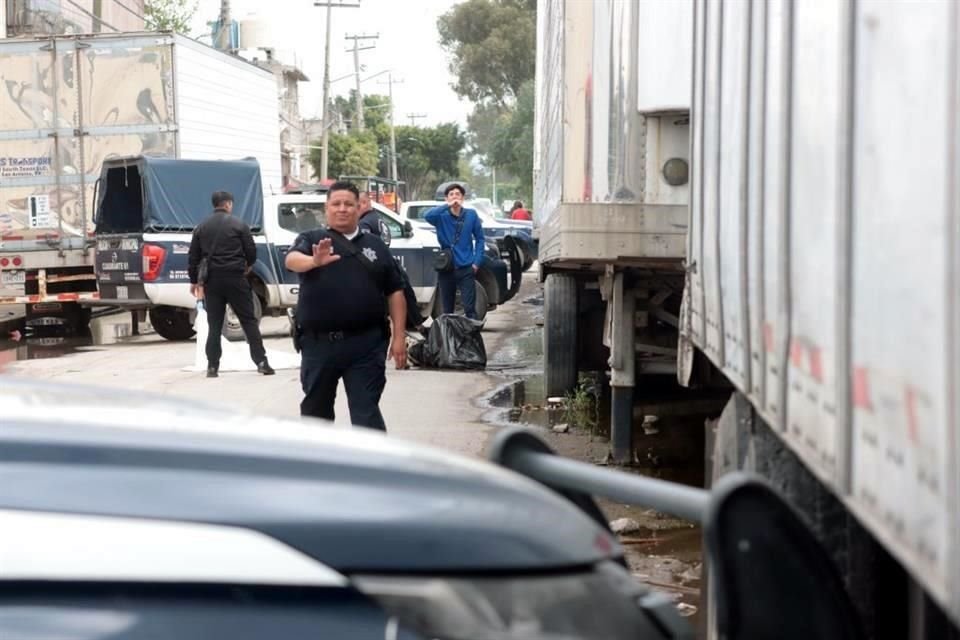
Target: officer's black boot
(265,368)
(212,370)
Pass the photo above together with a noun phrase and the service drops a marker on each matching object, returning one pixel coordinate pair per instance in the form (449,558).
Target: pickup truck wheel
(171,323)
(232,330)
(560,334)
(483,302)
(527,261)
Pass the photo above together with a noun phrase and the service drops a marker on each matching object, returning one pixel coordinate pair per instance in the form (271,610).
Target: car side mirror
(407,230)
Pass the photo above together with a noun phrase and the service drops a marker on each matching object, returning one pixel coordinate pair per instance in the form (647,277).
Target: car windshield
(301,216)
(417,211)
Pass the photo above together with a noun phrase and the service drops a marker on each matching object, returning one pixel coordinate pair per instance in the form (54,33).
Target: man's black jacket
(226,241)
(370,222)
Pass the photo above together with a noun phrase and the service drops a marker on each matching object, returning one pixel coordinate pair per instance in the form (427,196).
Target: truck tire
(171,323)
(744,441)
(560,293)
(232,330)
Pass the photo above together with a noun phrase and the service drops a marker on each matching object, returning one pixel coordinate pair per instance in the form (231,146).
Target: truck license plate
(13,277)
(122,293)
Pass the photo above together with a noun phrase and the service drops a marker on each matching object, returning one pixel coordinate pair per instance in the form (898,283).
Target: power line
(356,70)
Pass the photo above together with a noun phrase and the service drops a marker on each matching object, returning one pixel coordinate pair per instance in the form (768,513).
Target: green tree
(512,146)
(376,112)
(481,126)
(426,156)
(491,44)
(351,154)
(169,15)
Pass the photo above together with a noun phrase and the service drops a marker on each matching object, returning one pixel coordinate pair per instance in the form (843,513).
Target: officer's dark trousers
(360,359)
(232,289)
(463,279)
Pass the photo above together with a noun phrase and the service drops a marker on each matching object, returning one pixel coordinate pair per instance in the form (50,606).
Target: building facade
(31,18)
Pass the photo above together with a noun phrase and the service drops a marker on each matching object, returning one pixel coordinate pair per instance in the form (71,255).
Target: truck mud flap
(516,266)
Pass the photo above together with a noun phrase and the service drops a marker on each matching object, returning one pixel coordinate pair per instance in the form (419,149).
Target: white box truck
(67,103)
(824,279)
(818,244)
(611,191)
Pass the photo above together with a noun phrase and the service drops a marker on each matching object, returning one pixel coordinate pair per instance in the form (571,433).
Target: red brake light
(4,262)
(153,257)
(17,261)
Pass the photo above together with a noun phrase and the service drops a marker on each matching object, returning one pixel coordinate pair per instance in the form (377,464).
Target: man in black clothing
(227,246)
(370,221)
(345,275)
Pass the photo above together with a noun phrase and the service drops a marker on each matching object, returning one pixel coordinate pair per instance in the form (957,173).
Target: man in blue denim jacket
(454,222)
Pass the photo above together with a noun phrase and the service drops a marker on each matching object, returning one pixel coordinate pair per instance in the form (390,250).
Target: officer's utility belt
(337,336)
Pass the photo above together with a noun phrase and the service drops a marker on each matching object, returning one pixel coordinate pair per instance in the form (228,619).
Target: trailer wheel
(560,334)
(171,323)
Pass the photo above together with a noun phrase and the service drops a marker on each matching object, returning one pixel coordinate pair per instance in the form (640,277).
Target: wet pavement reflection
(22,342)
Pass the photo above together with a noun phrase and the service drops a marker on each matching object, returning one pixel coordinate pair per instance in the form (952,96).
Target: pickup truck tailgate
(120,265)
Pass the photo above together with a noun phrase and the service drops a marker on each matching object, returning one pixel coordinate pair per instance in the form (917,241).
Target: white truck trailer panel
(227,108)
(67,104)
(70,102)
(600,196)
(905,295)
(831,205)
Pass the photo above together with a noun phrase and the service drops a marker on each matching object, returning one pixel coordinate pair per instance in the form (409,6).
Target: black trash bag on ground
(453,342)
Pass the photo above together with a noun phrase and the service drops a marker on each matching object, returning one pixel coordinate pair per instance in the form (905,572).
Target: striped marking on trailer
(60,297)
(913,423)
(769,343)
(861,389)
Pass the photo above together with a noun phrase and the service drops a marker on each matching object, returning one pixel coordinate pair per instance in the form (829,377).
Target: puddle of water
(523,403)
(55,340)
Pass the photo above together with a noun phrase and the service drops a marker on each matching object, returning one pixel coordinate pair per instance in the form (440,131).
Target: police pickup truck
(148,207)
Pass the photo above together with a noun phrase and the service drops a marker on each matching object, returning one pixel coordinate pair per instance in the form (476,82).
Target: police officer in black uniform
(227,245)
(347,284)
(370,221)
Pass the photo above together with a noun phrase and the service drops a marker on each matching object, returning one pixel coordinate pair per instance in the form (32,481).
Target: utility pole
(223,33)
(325,152)
(415,116)
(356,70)
(393,137)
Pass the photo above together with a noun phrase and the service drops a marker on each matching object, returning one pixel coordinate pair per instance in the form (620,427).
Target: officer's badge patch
(370,254)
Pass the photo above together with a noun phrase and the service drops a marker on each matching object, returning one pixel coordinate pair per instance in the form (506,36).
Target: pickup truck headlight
(603,602)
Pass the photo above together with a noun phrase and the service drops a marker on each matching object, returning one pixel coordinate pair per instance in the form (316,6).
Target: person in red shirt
(519,213)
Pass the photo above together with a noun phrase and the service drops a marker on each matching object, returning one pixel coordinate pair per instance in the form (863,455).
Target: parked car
(134,519)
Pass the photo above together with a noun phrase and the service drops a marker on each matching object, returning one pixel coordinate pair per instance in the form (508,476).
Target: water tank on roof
(256,33)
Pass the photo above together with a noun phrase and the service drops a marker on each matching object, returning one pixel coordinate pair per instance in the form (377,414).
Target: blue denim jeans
(463,279)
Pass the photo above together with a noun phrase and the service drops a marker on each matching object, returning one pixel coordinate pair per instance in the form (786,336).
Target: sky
(408,44)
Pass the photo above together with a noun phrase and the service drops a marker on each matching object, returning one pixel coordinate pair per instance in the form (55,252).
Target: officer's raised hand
(323,253)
